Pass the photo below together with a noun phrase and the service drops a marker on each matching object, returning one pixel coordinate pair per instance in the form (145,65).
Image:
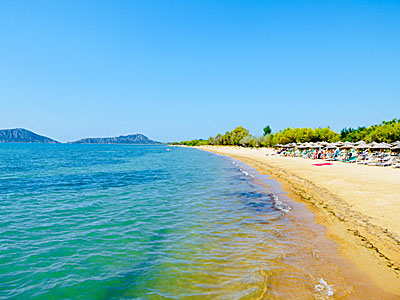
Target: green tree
(226,138)
(237,134)
(267,130)
(219,139)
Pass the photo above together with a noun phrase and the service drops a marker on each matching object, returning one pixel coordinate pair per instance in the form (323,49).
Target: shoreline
(366,236)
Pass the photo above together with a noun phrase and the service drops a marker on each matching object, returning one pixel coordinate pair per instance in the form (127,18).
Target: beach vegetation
(302,135)
(245,141)
(199,142)
(387,131)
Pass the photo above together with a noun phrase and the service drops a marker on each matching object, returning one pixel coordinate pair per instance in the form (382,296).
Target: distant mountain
(138,139)
(21,135)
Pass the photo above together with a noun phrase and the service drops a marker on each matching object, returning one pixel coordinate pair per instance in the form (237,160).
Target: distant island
(21,135)
(137,139)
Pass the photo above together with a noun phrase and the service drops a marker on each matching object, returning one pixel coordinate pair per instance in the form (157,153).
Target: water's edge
(362,287)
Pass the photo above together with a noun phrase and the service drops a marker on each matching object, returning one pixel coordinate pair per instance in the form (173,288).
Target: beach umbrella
(347,145)
(339,144)
(302,146)
(323,143)
(360,143)
(314,146)
(362,146)
(306,145)
(331,146)
(395,143)
(381,146)
(289,146)
(370,145)
(396,148)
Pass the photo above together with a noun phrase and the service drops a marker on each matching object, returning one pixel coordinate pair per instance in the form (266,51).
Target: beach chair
(374,162)
(365,159)
(331,157)
(341,157)
(359,159)
(387,163)
(351,159)
(334,156)
(380,160)
(305,155)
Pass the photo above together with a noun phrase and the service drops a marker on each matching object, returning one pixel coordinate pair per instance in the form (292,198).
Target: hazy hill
(21,135)
(123,139)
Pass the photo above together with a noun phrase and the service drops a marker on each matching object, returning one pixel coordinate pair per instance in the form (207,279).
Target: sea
(152,222)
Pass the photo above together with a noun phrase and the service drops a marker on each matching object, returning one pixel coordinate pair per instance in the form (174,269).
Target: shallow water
(138,222)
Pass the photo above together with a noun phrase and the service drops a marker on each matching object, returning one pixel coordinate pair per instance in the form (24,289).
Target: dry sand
(359,205)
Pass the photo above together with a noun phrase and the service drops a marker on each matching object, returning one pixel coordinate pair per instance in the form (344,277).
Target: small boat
(168,149)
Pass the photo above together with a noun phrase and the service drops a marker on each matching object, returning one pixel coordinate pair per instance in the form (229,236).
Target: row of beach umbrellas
(361,145)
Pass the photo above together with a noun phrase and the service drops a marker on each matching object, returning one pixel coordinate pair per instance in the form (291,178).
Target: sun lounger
(351,160)
(362,159)
(373,162)
(387,163)
(366,162)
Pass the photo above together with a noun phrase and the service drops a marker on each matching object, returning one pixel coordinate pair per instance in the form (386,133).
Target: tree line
(387,131)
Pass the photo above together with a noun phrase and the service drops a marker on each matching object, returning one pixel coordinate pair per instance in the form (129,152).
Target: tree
(211,141)
(267,130)
(237,134)
(219,139)
(245,141)
(255,141)
(226,138)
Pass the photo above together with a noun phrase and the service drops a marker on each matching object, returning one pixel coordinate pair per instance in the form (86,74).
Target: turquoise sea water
(140,222)
(120,221)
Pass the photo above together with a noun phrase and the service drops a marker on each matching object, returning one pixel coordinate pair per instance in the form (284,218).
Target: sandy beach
(359,206)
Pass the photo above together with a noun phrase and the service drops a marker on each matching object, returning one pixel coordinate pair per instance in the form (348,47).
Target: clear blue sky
(185,69)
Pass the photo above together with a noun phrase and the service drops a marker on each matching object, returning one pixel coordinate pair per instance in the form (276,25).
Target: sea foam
(323,288)
(280,205)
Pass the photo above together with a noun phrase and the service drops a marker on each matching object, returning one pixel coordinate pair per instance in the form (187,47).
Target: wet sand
(359,206)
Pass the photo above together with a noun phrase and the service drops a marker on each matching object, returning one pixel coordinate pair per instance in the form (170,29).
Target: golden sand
(359,205)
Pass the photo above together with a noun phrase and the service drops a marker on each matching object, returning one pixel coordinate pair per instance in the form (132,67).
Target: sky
(178,70)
